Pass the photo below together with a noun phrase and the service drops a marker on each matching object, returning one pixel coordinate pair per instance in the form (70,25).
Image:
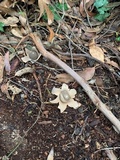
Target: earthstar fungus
(65,97)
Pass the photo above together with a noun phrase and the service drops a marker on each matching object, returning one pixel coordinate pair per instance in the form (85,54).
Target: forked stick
(95,99)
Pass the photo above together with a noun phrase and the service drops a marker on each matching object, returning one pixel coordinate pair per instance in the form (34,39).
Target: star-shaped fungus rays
(65,97)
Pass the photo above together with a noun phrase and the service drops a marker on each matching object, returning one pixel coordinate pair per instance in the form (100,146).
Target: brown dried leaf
(64,78)
(94,29)
(87,74)
(10,21)
(43,7)
(50,15)
(99,81)
(96,51)
(23,20)
(15,62)
(6,3)
(5,10)
(1,68)
(52,34)
(15,90)
(7,62)
(29,2)
(16,32)
(4,39)
(4,89)
(112,63)
(87,4)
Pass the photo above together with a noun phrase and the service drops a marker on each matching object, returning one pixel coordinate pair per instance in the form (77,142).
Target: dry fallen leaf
(14,63)
(112,63)
(24,71)
(1,68)
(16,32)
(43,7)
(86,74)
(50,15)
(15,90)
(9,11)
(99,81)
(29,2)
(52,34)
(10,21)
(94,29)
(7,62)
(51,154)
(23,20)
(96,51)
(4,89)
(87,4)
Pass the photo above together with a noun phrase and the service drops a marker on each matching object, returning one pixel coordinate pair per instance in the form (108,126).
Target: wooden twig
(95,99)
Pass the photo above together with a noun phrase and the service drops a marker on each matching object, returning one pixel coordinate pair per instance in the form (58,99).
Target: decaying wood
(95,99)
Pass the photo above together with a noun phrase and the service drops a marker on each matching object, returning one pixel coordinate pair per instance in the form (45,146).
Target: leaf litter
(87,74)
(73,34)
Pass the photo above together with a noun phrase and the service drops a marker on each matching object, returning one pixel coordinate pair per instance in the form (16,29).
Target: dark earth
(29,129)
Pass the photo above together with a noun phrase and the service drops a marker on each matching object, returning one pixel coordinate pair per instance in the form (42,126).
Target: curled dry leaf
(94,29)
(16,32)
(7,62)
(29,2)
(26,28)
(4,89)
(10,21)
(52,34)
(65,97)
(87,4)
(15,90)
(51,154)
(87,74)
(43,7)
(1,68)
(24,71)
(23,20)
(9,11)
(96,51)
(15,62)
(50,15)
(112,63)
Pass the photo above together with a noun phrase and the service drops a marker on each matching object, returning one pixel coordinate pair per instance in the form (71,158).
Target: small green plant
(2,27)
(117,37)
(101,6)
(55,9)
